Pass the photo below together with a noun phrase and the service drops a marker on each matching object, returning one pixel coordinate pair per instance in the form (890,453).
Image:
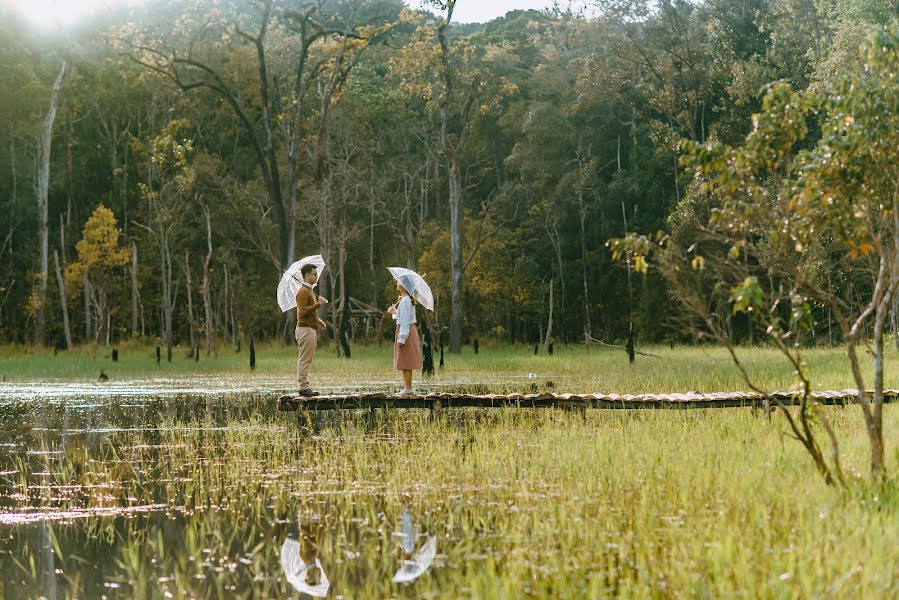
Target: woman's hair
(405,292)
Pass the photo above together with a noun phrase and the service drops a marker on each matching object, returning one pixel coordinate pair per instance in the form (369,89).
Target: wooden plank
(444,400)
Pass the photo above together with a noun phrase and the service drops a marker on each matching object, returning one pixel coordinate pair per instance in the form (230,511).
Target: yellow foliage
(99,247)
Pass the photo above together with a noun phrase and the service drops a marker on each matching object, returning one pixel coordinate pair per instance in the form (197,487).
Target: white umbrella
(413,569)
(415,284)
(419,562)
(292,280)
(296,570)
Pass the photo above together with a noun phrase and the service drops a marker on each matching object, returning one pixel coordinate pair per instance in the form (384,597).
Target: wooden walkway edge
(439,400)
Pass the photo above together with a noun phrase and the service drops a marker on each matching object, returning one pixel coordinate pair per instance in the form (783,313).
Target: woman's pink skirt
(409,356)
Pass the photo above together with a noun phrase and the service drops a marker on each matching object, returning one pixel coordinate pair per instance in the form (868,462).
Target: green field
(571,369)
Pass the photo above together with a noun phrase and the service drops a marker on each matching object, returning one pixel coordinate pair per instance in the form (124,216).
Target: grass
(148,495)
(572,369)
(667,504)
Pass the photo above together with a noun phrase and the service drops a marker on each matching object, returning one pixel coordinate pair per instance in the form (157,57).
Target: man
(308,325)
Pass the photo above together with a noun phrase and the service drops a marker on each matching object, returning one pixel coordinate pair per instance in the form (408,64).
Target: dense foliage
(200,145)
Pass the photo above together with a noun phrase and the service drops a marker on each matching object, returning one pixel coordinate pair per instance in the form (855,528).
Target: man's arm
(305,308)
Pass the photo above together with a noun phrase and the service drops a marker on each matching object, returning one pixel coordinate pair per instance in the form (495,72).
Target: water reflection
(415,563)
(197,497)
(300,560)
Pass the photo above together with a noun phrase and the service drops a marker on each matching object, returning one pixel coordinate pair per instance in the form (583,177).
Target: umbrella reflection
(415,563)
(300,559)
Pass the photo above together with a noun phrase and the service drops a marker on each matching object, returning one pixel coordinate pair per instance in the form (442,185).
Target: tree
(169,183)
(456,81)
(100,255)
(42,204)
(198,61)
(785,210)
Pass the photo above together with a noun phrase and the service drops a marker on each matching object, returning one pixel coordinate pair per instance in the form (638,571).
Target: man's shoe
(307,393)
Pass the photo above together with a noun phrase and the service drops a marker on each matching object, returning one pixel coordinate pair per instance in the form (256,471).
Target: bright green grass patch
(571,369)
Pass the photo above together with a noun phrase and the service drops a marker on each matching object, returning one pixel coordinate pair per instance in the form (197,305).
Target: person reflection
(414,563)
(300,559)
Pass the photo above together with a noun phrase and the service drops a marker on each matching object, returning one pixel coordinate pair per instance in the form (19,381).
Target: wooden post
(630,343)
(252,355)
(427,346)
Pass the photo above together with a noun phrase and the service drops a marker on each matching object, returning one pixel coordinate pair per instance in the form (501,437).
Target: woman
(406,348)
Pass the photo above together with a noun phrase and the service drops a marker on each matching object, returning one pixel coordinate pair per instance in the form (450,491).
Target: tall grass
(663,504)
(192,495)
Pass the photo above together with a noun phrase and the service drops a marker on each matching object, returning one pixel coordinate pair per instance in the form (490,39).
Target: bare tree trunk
(42,204)
(326,281)
(135,293)
(552,230)
(61,282)
(190,304)
(588,326)
(895,318)
(371,257)
(875,427)
(457,239)
(342,319)
(88,316)
(408,228)
(234,340)
(549,322)
(70,176)
(13,192)
(167,300)
(454,155)
(229,308)
(207,296)
(223,316)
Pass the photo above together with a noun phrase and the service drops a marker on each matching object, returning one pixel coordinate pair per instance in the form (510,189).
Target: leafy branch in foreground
(813,190)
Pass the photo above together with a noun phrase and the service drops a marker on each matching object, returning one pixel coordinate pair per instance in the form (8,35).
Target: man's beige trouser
(307,340)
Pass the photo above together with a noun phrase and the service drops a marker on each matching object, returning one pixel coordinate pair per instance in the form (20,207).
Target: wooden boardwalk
(440,400)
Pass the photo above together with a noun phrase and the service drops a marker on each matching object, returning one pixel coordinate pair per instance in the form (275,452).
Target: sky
(480,11)
(60,14)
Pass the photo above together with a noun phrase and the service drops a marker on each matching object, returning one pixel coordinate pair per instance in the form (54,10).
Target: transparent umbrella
(415,284)
(298,572)
(415,563)
(292,280)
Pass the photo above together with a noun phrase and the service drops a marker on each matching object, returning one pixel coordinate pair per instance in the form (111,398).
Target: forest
(161,165)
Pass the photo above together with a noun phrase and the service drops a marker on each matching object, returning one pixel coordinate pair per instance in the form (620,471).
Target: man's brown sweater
(307,305)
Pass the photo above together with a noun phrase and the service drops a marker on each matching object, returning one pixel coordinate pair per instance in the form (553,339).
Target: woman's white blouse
(405,316)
